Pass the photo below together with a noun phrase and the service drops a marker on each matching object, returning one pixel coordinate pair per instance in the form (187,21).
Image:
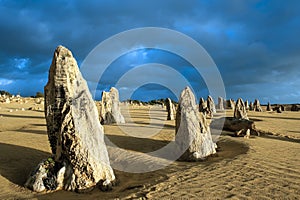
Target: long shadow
(143,145)
(226,148)
(157,118)
(294,131)
(291,118)
(43,132)
(158,125)
(16,162)
(38,124)
(22,116)
(282,138)
(255,119)
(135,125)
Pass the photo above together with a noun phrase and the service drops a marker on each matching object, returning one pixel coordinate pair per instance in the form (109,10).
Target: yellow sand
(255,168)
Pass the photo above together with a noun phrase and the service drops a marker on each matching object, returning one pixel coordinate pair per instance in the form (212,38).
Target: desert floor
(266,167)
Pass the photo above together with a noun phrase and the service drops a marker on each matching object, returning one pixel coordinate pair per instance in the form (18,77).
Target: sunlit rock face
(240,111)
(193,135)
(211,106)
(256,106)
(220,103)
(110,111)
(80,159)
(170,109)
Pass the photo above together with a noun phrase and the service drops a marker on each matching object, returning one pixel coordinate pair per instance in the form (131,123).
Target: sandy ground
(265,167)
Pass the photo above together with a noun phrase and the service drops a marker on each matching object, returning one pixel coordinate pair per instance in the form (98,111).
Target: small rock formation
(203,106)
(110,108)
(211,106)
(247,135)
(278,109)
(240,110)
(193,135)
(256,106)
(220,103)
(239,126)
(295,107)
(247,105)
(170,109)
(251,106)
(39,100)
(269,107)
(79,158)
(230,104)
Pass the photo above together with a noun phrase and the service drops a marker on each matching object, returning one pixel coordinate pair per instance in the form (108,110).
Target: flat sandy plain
(266,167)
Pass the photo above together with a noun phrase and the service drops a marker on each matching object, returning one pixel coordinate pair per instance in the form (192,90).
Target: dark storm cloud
(254,43)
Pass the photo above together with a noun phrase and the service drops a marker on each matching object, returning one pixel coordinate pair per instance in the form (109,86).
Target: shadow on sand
(16,162)
(279,117)
(227,148)
(143,145)
(278,137)
(23,116)
(42,132)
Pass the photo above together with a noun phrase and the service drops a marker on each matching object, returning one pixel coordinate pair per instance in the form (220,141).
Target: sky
(254,44)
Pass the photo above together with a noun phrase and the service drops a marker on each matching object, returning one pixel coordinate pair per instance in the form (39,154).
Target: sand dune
(265,167)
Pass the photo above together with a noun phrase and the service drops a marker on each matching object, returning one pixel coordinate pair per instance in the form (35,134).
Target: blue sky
(255,44)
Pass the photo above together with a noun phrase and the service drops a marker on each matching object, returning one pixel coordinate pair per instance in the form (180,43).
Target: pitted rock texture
(110,108)
(193,135)
(75,134)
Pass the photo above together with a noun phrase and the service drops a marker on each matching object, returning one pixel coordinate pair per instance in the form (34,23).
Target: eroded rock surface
(203,106)
(220,103)
(238,126)
(80,158)
(110,108)
(256,106)
(211,106)
(240,111)
(170,109)
(269,107)
(251,106)
(193,134)
(247,105)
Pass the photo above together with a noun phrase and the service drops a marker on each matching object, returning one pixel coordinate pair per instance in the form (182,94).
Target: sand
(266,167)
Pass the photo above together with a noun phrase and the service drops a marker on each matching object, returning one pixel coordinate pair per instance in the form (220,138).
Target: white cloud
(5,81)
(21,63)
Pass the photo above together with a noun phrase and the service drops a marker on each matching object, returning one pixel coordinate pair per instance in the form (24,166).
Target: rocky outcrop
(203,106)
(269,107)
(256,106)
(238,126)
(170,109)
(240,111)
(295,107)
(220,103)
(110,108)
(193,135)
(251,106)
(278,109)
(211,106)
(230,104)
(247,105)
(80,159)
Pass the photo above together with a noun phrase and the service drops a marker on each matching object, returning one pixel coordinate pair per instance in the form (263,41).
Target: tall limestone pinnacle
(80,158)
(193,134)
(110,111)
(170,109)
(240,111)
